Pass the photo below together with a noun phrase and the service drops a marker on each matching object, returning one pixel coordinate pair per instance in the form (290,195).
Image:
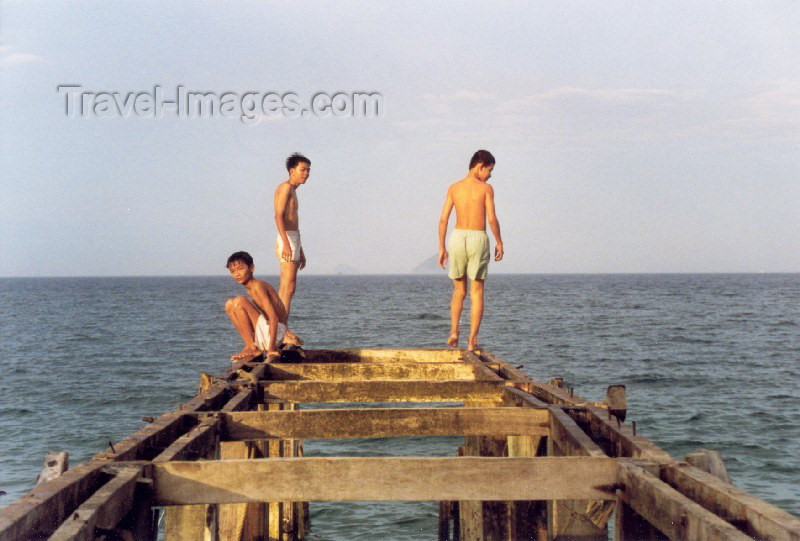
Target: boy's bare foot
(453,340)
(472,345)
(273,356)
(292,339)
(247,351)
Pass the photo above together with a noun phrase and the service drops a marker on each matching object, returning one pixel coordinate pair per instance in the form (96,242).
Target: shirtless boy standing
(261,319)
(287,246)
(468,247)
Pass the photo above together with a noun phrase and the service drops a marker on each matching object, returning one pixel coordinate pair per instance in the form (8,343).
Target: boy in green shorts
(473,199)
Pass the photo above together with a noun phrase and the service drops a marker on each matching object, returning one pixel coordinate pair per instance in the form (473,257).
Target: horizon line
(442,274)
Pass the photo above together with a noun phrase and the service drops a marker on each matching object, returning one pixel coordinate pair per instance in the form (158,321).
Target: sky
(629,136)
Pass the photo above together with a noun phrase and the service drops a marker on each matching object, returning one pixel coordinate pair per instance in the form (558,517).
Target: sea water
(709,361)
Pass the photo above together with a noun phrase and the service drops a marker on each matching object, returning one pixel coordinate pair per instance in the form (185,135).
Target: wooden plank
(471,357)
(445,516)
(585,518)
(527,519)
(755,517)
(382,391)
(371,371)
(147,442)
(289,510)
(302,518)
(617,401)
(480,367)
(485,519)
(241,364)
(200,441)
(671,512)
(141,523)
(241,521)
(569,519)
(190,523)
(616,438)
(384,479)
(240,402)
(470,516)
(385,423)
(709,461)
(630,526)
(211,399)
(382,355)
(55,463)
(40,511)
(104,509)
(206,381)
(571,440)
(620,439)
(484,373)
(516,397)
(274,508)
(504,369)
(259,371)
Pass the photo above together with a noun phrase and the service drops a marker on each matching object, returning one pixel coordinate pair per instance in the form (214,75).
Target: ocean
(709,360)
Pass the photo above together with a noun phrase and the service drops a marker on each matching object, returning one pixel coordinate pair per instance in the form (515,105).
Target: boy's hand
(498,252)
(286,253)
(302,259)
(442,257)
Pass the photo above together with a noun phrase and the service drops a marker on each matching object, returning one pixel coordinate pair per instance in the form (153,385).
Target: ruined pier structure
(537,462)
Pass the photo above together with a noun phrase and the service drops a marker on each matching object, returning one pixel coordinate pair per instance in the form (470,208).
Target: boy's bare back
(266,298)
(470,199)
(473,199)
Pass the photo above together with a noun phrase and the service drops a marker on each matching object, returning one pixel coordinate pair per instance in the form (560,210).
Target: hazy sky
(629,136)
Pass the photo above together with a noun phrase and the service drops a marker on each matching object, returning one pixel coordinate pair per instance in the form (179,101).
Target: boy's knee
(234,304)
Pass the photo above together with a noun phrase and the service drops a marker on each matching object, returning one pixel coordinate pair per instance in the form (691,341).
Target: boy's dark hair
(293,160)
(482,156)
(244,257)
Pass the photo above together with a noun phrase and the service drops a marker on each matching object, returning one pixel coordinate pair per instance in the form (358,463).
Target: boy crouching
(260,319)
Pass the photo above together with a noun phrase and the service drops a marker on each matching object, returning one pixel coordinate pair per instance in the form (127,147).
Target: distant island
(428,266)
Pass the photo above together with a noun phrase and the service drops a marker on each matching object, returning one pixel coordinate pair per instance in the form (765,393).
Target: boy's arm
(281,200)
(448,207)
(494,224)
(263,301)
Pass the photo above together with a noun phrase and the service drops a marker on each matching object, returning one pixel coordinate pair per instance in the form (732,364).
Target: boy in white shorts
(287,245)
(261,319)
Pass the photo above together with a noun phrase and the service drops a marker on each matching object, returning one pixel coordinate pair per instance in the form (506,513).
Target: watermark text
(249,107)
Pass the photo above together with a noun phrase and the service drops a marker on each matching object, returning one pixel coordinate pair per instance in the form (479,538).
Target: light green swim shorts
(469,253)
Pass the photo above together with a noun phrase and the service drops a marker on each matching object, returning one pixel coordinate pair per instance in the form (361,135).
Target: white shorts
(294,243)
(262,333)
